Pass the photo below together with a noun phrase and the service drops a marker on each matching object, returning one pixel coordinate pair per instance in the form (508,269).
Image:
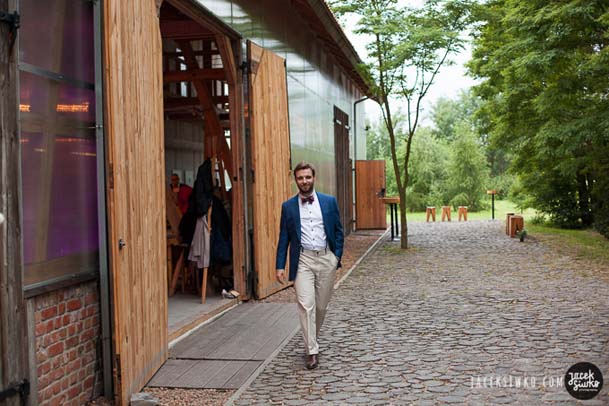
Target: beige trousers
(314,285)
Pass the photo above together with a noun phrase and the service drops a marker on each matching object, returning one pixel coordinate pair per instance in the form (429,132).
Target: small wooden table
(393,208)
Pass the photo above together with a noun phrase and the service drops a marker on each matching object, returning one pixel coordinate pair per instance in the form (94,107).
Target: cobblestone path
(466,302)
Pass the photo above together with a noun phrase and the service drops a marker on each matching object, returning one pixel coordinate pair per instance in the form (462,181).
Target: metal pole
(493,205)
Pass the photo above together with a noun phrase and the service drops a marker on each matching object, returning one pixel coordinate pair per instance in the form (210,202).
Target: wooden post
(507,222)
(462,213)
(430,211)
(13,333)
(446,213)
(516,225)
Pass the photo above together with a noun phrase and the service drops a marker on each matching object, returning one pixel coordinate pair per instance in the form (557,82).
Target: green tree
(407,48)
(467,171)
(545,72)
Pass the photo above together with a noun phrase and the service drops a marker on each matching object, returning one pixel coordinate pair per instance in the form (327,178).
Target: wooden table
(393,208)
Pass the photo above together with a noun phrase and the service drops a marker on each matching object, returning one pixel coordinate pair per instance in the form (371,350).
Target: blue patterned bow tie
(309,199)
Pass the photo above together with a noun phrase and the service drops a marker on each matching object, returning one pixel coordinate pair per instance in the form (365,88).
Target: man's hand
(280,275)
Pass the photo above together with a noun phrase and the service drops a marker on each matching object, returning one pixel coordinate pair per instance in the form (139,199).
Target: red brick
(91,311)
(74,304)
(73,378)
(72,342)
(55,349)
(61,308)
(73,366)
(58,323)
(44,368)
(91,298)
(56,388)
(71,330)
(66,319)
(57,374)
(89,345)
(48,393)
(56,362)
(87,335)
(41,356)
(73,392)
(43,381)
(64,384)
(88,383)
(49,313)
(41,329)
(62,333)
(72,354)
(58,400)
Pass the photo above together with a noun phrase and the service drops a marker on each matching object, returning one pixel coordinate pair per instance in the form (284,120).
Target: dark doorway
(344,186)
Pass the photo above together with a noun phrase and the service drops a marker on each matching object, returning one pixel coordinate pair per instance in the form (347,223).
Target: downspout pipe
(355,103)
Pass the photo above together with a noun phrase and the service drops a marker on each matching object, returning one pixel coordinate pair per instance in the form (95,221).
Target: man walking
(310,225)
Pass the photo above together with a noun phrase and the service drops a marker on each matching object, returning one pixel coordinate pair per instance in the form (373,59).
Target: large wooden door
(270,143)
(13,345)
(135,192)
(344,178)
(370,212)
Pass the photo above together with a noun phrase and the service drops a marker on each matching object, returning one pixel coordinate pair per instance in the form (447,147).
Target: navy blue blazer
(289,231)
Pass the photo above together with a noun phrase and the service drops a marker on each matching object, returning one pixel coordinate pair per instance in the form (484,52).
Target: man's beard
(307,192)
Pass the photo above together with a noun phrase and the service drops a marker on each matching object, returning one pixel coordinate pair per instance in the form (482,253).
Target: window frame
(100,271)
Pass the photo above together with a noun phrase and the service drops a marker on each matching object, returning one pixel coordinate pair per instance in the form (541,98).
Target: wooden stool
(516,224)
(430,211)
(507,222)
(463,213)
(446,212)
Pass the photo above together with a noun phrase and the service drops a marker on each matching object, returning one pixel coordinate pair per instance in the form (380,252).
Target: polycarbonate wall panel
(315,83)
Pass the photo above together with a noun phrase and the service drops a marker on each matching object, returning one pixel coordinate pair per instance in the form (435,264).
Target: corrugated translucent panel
(315,84)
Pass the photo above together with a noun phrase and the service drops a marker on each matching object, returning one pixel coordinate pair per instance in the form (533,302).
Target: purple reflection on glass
(57,35)
(73,223)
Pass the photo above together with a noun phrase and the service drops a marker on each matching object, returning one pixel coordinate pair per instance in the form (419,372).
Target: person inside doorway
(181,191)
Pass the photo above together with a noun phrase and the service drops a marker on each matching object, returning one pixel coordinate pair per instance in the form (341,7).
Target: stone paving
(465,303)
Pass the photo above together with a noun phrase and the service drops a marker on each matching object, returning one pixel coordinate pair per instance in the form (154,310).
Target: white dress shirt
(313,234)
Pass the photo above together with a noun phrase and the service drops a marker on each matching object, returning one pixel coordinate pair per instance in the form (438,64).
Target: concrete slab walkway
(433,326)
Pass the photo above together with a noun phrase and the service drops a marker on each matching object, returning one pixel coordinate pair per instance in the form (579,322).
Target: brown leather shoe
(312,361)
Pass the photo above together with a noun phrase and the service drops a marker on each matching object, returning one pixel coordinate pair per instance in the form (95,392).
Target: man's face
(175,181)
(305,180)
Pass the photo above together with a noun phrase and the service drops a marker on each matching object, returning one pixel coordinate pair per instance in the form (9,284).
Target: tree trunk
(403,220)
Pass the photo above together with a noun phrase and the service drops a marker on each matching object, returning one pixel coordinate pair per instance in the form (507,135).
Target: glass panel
(57,35)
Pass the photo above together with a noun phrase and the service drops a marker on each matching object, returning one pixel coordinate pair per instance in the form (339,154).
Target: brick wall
(67,353)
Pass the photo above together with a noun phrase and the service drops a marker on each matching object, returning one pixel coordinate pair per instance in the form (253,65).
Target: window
(58,140)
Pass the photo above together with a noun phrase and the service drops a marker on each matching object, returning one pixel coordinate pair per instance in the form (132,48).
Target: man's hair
(304,165)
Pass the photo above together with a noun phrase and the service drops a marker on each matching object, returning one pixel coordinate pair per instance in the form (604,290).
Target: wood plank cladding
(13,364)
(270,159)
(370,211)
(136,209)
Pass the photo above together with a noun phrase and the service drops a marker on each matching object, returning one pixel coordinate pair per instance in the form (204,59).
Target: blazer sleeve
(340,237)
(282,245)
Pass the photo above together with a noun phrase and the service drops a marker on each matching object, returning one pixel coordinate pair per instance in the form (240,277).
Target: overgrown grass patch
(582,244)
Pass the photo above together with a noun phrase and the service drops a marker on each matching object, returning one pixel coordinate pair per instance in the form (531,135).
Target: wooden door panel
(270,135)
(136,206)
(370,209)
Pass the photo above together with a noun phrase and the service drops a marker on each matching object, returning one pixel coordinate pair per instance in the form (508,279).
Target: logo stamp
(584,381)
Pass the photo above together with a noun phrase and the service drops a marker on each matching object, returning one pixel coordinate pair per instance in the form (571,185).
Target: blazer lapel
(296,214)
(322,206)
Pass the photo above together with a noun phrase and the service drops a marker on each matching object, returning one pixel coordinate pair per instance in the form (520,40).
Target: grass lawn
(583,244)
(501,207)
